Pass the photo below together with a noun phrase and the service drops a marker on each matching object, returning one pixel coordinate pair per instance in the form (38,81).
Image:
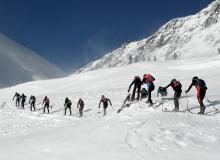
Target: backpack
(177,84)
(82,103)
(47,100)
(202,84)
(162,91)
(149,78)
(33,98)
(69,102)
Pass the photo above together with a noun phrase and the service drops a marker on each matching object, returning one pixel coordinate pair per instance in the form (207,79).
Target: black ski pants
(81,111)
(33,105)
(138,89)
(150,89)
(47,105)
(177,96)
(68,107)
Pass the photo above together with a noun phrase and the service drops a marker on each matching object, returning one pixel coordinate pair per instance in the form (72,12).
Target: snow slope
(136,133)
(19,64)
(181,38)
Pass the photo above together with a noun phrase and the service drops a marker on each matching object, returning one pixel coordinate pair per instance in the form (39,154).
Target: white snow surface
(137,133)
(19,64)
(181,38)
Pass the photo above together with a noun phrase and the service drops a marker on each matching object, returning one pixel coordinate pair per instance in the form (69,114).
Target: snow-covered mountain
(19,64)
(192,36)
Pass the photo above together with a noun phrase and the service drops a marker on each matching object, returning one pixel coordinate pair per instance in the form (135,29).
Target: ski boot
(200,112)
(175,110)
(203,109)
(150,104)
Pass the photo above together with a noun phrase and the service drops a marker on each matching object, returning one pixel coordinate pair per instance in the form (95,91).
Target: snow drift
(19,64)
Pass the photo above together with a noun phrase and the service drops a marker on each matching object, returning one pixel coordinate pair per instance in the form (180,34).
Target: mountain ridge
(19,64)
(180,38)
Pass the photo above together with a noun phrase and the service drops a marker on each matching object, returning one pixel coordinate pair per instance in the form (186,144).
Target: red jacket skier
(201,91)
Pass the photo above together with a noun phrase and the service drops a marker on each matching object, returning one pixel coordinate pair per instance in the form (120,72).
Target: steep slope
(193,36)
(19,64)
(137,133)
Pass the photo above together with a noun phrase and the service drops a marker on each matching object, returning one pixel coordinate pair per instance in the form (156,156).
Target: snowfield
(137,133)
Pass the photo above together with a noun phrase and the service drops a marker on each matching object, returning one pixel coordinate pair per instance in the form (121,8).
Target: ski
(210,113)
(166,110)
(124,106)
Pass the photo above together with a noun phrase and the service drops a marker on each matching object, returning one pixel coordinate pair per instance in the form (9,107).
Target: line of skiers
(148,79)
(67,104)
(21,100)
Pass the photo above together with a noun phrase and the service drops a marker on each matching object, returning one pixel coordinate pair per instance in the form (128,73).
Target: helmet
(102,96)
(136,77)
(173,80)
(195,78)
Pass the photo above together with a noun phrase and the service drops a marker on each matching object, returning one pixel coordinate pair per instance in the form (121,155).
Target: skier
(177,88)
(80,106)
(17,100)
(144,93)
(23,100)
(161,91)
(68,105)
(46,103)
(105,101)
(137,86)
(32,101)
(148,79)
(201,92)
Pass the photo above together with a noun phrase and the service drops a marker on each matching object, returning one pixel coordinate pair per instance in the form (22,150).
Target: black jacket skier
(137,86)
(17,98)
(80,106)
(104,101)
(201,91)
(177,87)
(68,105)
(23,100)
(32,101)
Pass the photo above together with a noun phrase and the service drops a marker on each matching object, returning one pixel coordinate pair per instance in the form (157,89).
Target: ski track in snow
(136,133)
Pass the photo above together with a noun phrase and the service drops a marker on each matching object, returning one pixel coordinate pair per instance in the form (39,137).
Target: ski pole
(112,108)
(187,103)
(38,103)
(211,103)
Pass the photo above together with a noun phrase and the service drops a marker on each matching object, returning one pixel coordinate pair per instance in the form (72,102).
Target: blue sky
(70,33)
